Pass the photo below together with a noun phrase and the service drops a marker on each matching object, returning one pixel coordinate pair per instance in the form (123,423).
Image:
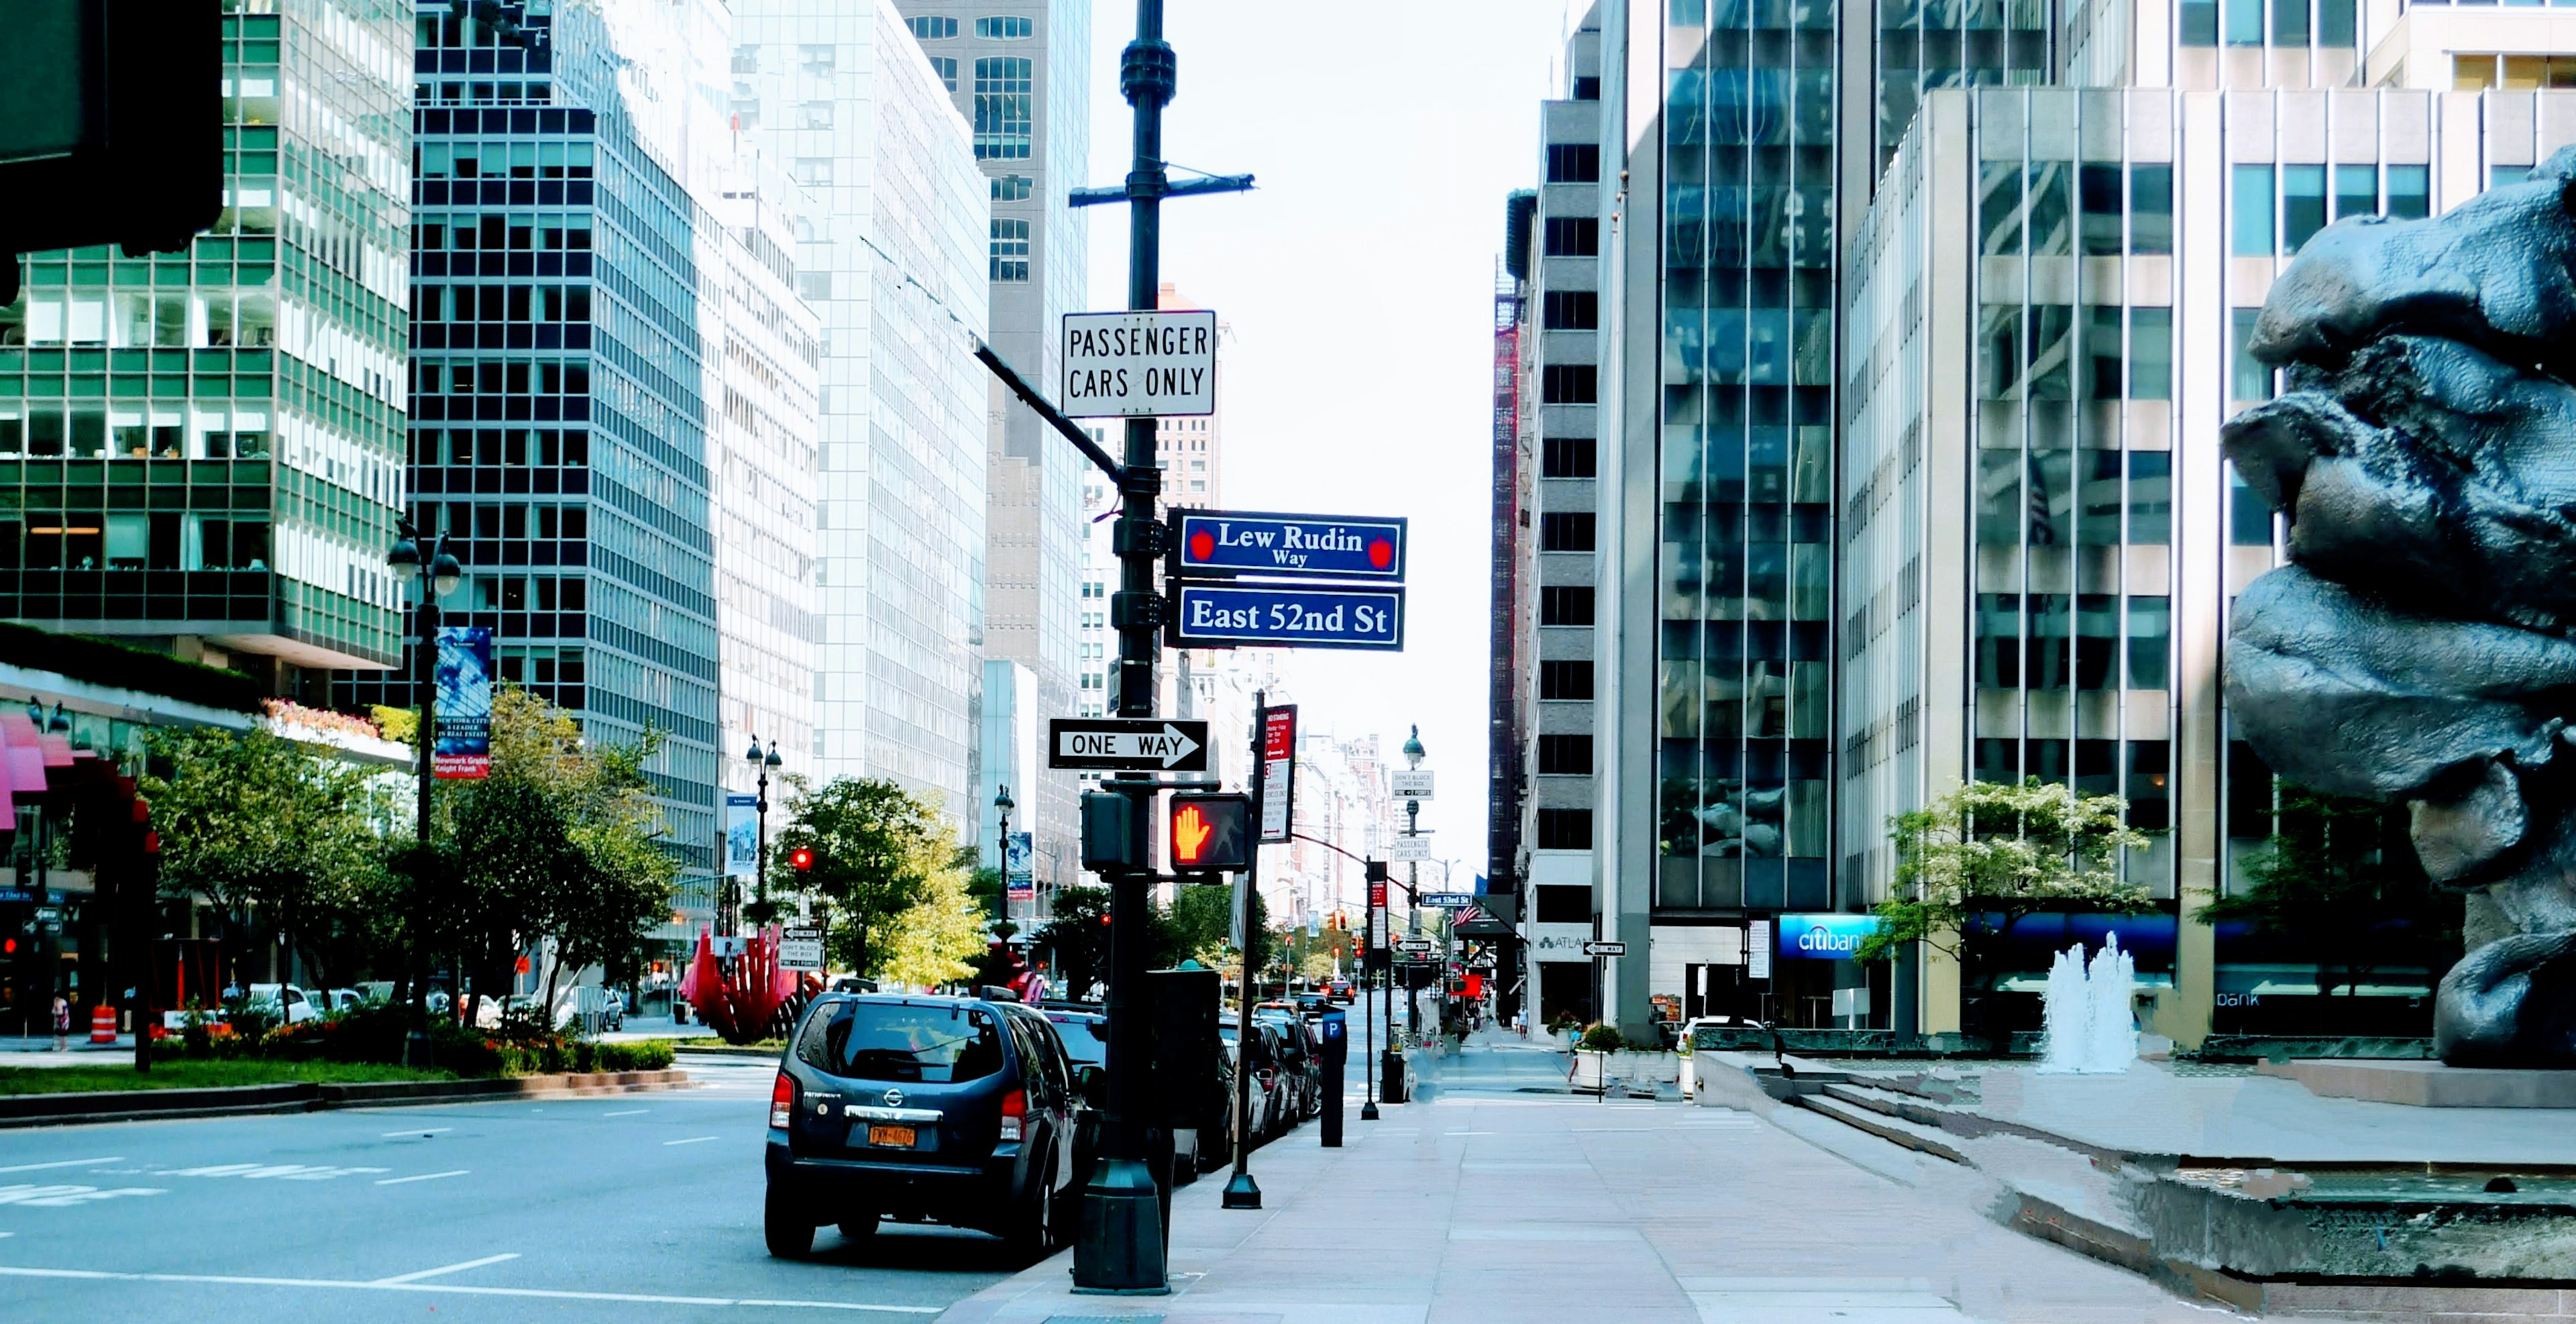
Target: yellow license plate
(901,1136)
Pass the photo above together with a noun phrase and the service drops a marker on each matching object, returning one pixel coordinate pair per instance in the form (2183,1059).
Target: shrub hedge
(375,1033)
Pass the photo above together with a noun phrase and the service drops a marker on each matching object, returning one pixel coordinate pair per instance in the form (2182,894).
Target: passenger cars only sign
(1139,365)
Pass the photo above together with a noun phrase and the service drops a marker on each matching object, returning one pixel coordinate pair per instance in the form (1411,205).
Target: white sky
(1359,282)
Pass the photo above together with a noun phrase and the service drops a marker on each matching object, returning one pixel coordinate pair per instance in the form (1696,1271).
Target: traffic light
(1211,832)
(1112,839)
(1377,871)
(111,113)
(801,859)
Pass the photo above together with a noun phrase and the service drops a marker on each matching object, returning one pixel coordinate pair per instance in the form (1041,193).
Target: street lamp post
(438,573)
(762,763)
(1412,882)
(1002,807)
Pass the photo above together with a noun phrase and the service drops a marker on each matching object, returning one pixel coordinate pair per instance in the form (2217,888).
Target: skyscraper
(1020,71)
(891,249)
(203,450)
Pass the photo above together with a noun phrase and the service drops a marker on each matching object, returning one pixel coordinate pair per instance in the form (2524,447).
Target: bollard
(102,1024)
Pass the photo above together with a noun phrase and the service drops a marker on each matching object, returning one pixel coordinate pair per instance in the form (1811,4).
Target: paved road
(616,1208)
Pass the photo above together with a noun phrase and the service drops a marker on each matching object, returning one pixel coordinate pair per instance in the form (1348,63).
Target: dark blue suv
(927,1109)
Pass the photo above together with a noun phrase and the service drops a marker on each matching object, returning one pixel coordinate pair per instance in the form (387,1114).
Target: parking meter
(1337,1044)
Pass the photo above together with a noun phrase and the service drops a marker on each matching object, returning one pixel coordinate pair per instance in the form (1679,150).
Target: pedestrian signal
(1211,832)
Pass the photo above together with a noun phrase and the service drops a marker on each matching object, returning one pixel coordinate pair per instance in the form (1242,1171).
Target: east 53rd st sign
(1286,615)
(1316,546)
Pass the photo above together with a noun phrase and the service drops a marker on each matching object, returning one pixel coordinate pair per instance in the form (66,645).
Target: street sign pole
(1241,1191)
(1122,1246)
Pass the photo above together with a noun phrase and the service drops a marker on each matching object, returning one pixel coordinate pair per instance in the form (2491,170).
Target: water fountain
(2088,1020)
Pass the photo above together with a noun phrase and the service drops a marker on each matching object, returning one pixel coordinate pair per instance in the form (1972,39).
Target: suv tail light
(782,1100)
(1015,1114)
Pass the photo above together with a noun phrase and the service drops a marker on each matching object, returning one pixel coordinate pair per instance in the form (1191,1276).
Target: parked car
(933,1109)
(1261,1095)
(298,1006)
(1300,1056)
(1085,1035)
(1339,991)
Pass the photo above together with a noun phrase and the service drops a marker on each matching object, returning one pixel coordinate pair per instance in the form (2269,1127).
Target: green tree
(1986,854)
(560,841)
(938,939)
(879,851)
(262,824)
(1075,944)
(2332,881)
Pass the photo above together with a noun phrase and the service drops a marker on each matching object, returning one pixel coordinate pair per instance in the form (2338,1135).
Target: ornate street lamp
(762,764)
(438,574)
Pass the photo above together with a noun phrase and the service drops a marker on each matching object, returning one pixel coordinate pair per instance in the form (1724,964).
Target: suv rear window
(902,1042)
(1086,1042)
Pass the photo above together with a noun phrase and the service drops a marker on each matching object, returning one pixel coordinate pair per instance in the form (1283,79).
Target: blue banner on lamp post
(464,685)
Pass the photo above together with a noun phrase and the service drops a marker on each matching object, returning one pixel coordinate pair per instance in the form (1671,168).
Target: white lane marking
(1472,1133)
(454,1289)
(63,1197)
(423,1131)
(626,1112)
(459,1267)
(426,1176)
(64,1163)
(691,1140)
(267,1171)
(1615,1129)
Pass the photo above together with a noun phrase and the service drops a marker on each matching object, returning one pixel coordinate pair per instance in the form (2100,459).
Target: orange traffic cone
(102,1024)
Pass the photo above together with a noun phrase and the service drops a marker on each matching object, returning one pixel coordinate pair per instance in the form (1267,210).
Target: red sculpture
(738,997)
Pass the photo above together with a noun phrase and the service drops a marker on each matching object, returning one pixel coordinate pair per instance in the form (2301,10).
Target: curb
(727,1050)
(86,1108)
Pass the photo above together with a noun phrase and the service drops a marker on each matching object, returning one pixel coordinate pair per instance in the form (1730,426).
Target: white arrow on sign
(1170,744)
(1600,947)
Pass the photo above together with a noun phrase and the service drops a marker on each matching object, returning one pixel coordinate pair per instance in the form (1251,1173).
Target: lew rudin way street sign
(1133,744)
(1601,947)
(1240,542)
(1139,364)
(1286,616)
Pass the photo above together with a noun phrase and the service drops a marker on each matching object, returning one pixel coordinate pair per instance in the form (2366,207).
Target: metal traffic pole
(1241,1191)
(1122,1248)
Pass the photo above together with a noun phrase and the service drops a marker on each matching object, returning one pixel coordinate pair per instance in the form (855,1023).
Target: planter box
(306,1096)
(1590,1076)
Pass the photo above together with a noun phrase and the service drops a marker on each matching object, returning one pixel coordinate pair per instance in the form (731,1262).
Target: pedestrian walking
(62,1023)
(1520,1021)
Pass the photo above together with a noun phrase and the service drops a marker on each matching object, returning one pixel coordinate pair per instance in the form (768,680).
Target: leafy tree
(261,823)
(879,851)
(1201,921)
(2333,882)
(1986,854)
(938,939)
(1075,944)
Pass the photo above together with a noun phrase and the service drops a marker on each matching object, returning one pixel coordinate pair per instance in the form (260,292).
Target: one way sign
(1133,744)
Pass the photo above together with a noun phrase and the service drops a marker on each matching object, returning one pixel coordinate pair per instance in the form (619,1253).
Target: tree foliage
(880,854)
(1988,853)
(260,823)
(2338,881)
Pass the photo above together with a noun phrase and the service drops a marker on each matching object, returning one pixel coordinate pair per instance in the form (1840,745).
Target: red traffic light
(801,859)
(8,946)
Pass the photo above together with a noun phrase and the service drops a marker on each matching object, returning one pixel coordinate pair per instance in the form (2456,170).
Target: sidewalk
(1496,1199)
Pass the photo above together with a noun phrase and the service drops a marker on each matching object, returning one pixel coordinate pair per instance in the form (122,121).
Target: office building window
(2303,204)
(2245,22)
(1560,903)
(2289,22)
(2254,232)
(2098,193)
(2249,516)
(1565,756)
(2150,353)
(1565,531)
(1587,89)
(1573,163)
(1004,28)
(1568,457)
(1570,384)
(1010,250)
(2199,22)
(2335,22)
(1011,188)
(1573,236)
(2249,378)
(1003,108)
(1565,604)
(2356,191)
(1999,640)
(1570,310)
(2097,642)
(2150,641)
(946,67)
(2410,192)
(2102,353)
(1566,829)
(2151,498)
(2149,799)
(1565,681)
(2150,209)
(932,29)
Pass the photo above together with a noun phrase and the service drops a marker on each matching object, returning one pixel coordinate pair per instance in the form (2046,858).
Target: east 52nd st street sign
(1287,616)
(1316,546)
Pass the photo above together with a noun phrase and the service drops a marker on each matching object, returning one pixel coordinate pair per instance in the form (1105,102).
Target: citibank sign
(1823,937)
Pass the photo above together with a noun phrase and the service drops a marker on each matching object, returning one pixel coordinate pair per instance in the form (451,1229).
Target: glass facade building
(204,450)
(559,404)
